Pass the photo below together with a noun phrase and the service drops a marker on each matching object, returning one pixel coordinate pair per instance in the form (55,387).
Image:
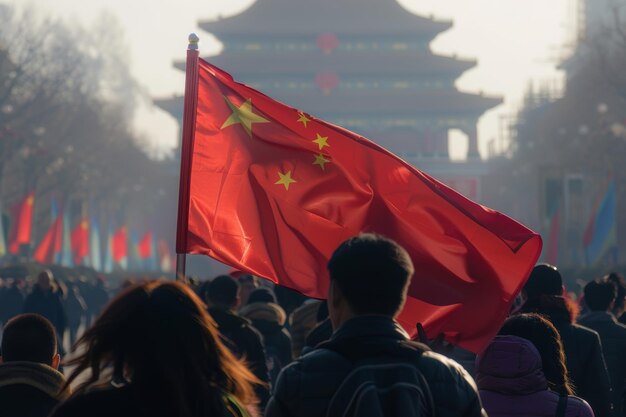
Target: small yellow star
(244,115)
(321,141)
(304,119)
(285,179)
(321,161)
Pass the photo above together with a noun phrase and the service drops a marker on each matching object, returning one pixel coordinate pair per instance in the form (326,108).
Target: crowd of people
(238,346)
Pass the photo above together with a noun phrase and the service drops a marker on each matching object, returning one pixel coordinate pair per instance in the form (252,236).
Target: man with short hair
(242,338)
(600,297)
(369,279)
(30,385)
(46,300)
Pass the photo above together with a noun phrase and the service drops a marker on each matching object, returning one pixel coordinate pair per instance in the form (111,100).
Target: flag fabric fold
(50,245)
(600,237)
(21,223)
(79,240)
(273,191)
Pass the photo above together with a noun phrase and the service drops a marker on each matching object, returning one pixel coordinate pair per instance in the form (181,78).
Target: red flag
(51,242)
(79,240)
(145,246)
(120,244)
(273,191)
(165,258)
(22,223)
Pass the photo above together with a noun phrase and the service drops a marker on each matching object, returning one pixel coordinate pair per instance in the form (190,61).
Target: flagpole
(189,125)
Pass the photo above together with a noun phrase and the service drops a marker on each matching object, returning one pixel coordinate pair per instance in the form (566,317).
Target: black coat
(305,387)
(583,353)
(244,341)
(613,337)
(29,389)
(48,304)
(11,303)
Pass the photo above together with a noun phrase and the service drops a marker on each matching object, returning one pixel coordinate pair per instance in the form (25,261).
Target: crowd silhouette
(240,346)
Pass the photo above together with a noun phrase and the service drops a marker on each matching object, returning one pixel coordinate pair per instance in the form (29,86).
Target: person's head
(31,338)
(618,307)
(247,284)
(600,295)
(44,280)
(159,337)
(369,275)
(544,279)
(223,292)
(262,295)
(547,340)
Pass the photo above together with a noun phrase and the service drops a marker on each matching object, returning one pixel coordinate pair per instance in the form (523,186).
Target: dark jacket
(244,341)
(29,389)
(511,382)
(305,387)
(122,402)
(583,352)
(11,303)
(269,319)
(48,304)
(613,337)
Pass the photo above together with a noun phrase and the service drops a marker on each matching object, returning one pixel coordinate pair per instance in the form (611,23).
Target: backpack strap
(561,406)
(408,351)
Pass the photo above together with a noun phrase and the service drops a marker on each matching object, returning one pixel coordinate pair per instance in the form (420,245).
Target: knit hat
(545,279)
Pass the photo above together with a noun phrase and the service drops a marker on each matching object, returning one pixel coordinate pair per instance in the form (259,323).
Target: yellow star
(321,141)
(321,161)
(303,119)
(285,179)
(244,115)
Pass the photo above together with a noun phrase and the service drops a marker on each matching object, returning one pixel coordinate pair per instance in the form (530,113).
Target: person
(96,297)
(620,301)
(30,384)
(241,337)
(11,301)
(522,372)
(46,300)
(600,297)
(269,319)
(302,322)
(369,278)
(76,308)
(247,284)
(165,359)
(583,350)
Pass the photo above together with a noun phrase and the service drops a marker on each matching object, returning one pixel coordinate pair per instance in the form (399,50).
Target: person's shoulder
(439,367)
(584,332)
(579,407)
(94,403)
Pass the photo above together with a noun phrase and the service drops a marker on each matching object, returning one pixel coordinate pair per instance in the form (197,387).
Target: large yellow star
(285,179)
(321,161)
(321,141)
(303,119)
(244,115)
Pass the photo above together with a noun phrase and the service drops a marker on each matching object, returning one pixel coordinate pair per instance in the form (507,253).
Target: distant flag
(166,261)
(119,247)
(3,243)
(108,256)
(57,249)
(134,260)
(146,251)
(80,241)
(94,239)
(22,223)
(66,246)
(46,250)
(600,237)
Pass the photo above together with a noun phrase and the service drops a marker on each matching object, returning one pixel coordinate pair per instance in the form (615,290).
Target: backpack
(385,381)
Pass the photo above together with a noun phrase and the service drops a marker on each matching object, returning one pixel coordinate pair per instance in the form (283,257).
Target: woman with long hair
(523,372)
(155,351)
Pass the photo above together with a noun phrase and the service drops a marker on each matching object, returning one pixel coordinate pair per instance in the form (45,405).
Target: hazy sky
(514,41)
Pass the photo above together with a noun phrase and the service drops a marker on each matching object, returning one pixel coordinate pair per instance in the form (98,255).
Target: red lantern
(327,42)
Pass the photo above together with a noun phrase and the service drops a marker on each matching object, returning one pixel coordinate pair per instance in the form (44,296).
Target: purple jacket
(511,382)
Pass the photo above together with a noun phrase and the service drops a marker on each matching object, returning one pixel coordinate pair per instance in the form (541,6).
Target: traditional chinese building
(363,64)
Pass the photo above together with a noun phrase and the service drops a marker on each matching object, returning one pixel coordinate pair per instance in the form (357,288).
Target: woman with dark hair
(522,372)
(155,351)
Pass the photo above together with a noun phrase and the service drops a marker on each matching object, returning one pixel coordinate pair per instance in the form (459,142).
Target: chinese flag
(145,246)
(22,223)
(120,244)
(51,242)
(80,241)
(273,191)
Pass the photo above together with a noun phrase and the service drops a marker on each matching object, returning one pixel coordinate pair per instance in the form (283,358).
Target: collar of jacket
(36,375)
(598,317)
(370,327)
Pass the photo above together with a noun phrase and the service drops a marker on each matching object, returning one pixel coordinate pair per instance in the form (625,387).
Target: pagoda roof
(302,63)
(306,17)
(406,102)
